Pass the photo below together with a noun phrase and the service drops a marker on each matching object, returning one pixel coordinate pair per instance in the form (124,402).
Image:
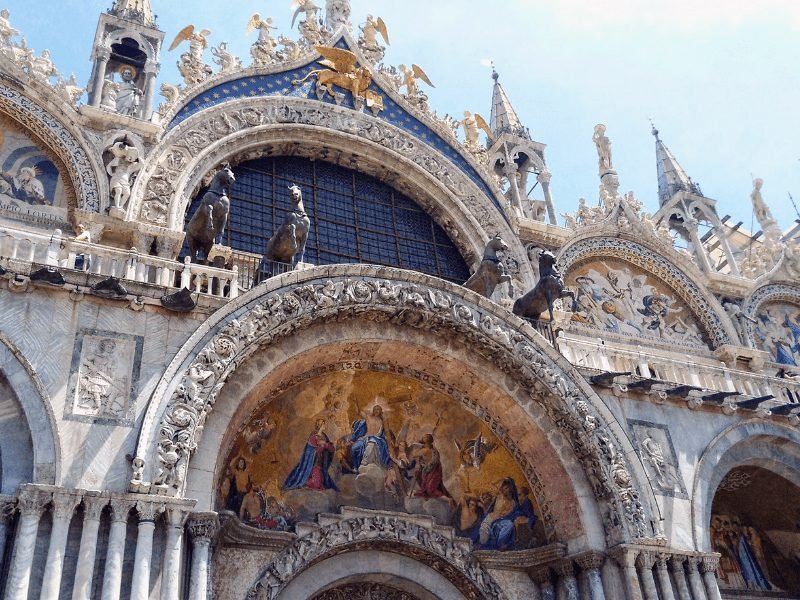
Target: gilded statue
(410,76)
(473,124)
(341,71)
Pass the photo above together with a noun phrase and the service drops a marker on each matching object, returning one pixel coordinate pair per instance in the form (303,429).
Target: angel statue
(191,65)
(410,77)
(368,42)
(472,124)
(263,50)
(6,30)
(306,7)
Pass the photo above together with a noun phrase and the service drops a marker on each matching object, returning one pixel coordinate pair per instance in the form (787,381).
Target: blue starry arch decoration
(280,84)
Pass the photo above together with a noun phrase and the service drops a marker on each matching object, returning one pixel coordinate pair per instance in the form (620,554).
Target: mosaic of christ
(617,297)
(378,441)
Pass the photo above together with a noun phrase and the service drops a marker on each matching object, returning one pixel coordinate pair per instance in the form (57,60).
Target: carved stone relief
(105,367)
(365,591)
(658,456)
(410,304)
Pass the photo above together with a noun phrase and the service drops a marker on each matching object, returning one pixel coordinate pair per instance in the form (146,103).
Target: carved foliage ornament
(660,267)
(289,309)
(374,532)
(162,180)
(54,134)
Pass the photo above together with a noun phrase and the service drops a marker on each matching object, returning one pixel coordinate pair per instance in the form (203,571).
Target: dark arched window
(355,218)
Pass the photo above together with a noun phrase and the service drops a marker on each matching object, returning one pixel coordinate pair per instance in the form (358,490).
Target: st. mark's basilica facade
(291,335)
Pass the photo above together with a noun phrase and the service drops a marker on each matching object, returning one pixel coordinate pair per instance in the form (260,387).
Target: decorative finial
(654,131)
(488,62)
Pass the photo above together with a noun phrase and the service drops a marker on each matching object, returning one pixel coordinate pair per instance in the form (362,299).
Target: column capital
(709,563)
(564,568)
(148,511)
(592,560)
(693,562)
(544,177)
(120,509)
(7,510)
(176,516)
(624,557)
(203,526)
(102,53)
(541,575)
(661,560)
(33,502)
(64,504)
(645,560)
(93,507)
(152,67)
(676,563)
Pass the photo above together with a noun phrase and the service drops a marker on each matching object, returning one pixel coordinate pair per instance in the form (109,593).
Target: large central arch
(361,295)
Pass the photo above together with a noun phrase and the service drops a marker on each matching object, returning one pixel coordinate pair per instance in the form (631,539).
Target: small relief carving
(365,591)
(658,456)
(106,370)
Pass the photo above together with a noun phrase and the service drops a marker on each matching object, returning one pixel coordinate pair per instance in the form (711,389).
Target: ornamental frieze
(439,310)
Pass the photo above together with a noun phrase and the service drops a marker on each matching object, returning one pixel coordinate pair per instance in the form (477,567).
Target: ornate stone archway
(37,408)
(310,128)
(757,443)
(61,137)
(189,389)
(700,301)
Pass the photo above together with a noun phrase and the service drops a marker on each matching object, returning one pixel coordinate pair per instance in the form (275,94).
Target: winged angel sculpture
(472,125)
(368,42)
(341,71)
(191,65)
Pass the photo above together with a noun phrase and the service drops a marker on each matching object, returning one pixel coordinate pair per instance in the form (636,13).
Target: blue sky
(719,77)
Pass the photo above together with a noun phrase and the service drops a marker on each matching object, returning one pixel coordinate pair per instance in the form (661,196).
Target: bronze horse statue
(207,225)
(548,289)
(491,271)
(288,245)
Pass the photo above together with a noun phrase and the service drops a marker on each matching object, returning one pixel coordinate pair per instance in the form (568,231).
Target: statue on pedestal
(288,245)
(207,225)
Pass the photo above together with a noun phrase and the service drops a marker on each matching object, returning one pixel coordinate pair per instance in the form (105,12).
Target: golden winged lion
(341,72)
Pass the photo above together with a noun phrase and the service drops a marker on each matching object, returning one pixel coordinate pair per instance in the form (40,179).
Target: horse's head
(223,180)
(546,259)
(497,244)
(296,194)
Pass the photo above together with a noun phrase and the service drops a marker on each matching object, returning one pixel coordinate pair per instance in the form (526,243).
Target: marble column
(84,572)
(112,579)
(590,563)
(7,510)
(542,577)
(663,577)
(626,559)
(709,569)
(679,576)
(544,179)
(203,528)
(151,70)
(695,581)
(63,507)
(567,583)
(171,571)
(644,565)
(31,507)
(101,62)
(140,586)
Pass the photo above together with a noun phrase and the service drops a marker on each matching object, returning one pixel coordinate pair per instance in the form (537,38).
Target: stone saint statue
(122,169)
(129,94)
(603,148)
(740,320)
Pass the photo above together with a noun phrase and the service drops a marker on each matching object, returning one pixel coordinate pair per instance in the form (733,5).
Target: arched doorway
(757,534)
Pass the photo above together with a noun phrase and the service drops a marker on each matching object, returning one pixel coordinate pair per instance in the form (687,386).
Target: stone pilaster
(709,570)
(567,583)
(92,510)
(679,576)
(203,529)
(63,507)
(644,565)
(112,579)
(591,563)
(626,559)
(663,577)
(695,581)
(32,504)
(170,578)
(140,586)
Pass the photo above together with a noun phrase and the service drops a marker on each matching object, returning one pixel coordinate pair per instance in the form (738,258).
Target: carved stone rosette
(442,309)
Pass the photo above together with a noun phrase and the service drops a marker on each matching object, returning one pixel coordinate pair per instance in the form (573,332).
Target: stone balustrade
(695,370)
(19,248)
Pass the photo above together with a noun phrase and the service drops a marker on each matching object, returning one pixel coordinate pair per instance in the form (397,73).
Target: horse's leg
(192,249)
(209,217)
(507,279)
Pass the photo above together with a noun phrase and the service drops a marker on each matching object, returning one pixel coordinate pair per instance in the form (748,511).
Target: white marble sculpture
(122,169)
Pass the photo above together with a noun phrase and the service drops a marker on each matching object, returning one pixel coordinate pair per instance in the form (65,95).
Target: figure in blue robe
(497,530)
(751,570)
(361,440)
(312,470)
